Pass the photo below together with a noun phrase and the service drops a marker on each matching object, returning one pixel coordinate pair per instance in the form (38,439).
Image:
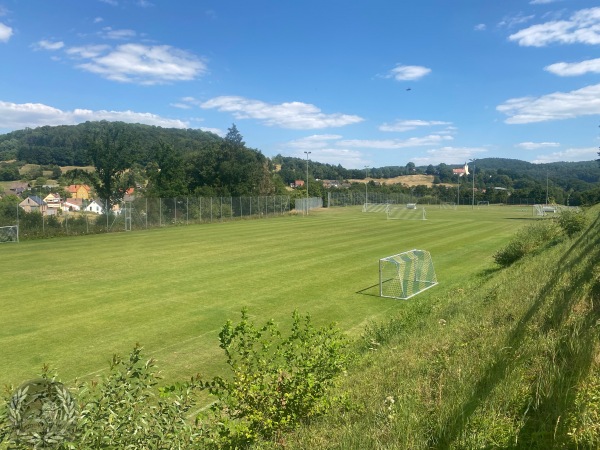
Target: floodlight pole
(307,153)
(366,184)
(473,201)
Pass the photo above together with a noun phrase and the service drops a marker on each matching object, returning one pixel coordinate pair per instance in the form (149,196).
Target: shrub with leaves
(528,240)
(276,382)
(127,410)
(572,222)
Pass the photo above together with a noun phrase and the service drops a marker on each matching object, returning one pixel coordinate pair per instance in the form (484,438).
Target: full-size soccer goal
(9,234)
(407,274)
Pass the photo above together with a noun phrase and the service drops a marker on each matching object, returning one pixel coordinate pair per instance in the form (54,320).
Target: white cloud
(582,27)
(391,144)
(15,116)
(571,154)
(216,131)
(536,145)
(137,63)
(316,141)
(5,32)
(542,2)
(109,33)
(48,45)
(513,21)
(407,73)
(564,69)
(449,155)
(556,106)
(480,27)
(407,125)
(350,159)
(292,115)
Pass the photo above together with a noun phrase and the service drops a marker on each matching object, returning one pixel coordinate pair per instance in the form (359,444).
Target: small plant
(276,382)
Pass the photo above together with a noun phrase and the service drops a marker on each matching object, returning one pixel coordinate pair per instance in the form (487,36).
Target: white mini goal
(402,212)
(407,274)
(9,234)
(375,207)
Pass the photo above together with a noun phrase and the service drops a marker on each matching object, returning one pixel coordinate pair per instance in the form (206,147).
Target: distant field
(73,302)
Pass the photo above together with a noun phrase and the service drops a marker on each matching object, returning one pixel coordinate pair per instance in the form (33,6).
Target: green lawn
(73,302)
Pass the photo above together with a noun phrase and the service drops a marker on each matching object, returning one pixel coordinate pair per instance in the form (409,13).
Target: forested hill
(68,145)
(173,162)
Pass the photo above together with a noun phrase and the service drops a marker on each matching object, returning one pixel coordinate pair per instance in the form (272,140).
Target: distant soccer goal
(407,274)
(483,203)
(9,234)
(544,210)
(447,205)
(375,207)
(406,212)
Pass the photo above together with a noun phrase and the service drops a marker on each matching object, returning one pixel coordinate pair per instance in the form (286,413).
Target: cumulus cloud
(555,106)
(536,145)
(291,115)
(407,73)
(391,144)
(14,116)
(5,32)
(132,62)
(48,45)
(143,64)
(480,27)
(582,27)
(407,125)
(564,69)
(571,154)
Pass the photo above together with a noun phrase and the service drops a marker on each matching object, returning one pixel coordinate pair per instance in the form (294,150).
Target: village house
(34,204)
(53,201)
(79,191)
(94,207)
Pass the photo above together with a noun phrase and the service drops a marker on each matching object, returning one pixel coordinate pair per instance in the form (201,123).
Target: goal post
(9,234)
(407,274)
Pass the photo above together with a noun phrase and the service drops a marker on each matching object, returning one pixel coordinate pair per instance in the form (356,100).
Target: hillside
(509,360)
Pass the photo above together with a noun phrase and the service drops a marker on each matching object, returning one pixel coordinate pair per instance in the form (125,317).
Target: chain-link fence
(143,213)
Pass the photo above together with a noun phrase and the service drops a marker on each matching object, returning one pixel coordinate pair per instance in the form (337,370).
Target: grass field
(73,302)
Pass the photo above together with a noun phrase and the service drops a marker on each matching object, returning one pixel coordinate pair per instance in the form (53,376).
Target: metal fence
(144,213)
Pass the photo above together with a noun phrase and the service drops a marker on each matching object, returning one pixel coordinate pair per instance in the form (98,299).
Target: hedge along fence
(144,213)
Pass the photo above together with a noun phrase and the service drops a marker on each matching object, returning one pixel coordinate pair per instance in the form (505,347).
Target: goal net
(9,234)
(407,274)
(544,210)
(375,207)
(447,205)
(483,203)
(408,212)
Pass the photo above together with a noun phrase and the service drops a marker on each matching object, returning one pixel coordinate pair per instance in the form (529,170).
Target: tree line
(170,163)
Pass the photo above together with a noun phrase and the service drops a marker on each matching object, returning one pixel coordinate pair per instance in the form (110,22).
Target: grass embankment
(509,359)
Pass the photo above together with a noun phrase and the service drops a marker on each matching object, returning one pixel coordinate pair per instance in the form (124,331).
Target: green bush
(528,240)
(276,382)
(572,222)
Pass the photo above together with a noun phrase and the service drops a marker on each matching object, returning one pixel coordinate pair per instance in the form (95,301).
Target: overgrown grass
(507,359)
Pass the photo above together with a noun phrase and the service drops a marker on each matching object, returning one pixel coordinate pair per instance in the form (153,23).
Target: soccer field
(73,302)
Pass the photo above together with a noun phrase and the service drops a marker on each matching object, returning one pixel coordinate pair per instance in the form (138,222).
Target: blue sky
(357,83)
